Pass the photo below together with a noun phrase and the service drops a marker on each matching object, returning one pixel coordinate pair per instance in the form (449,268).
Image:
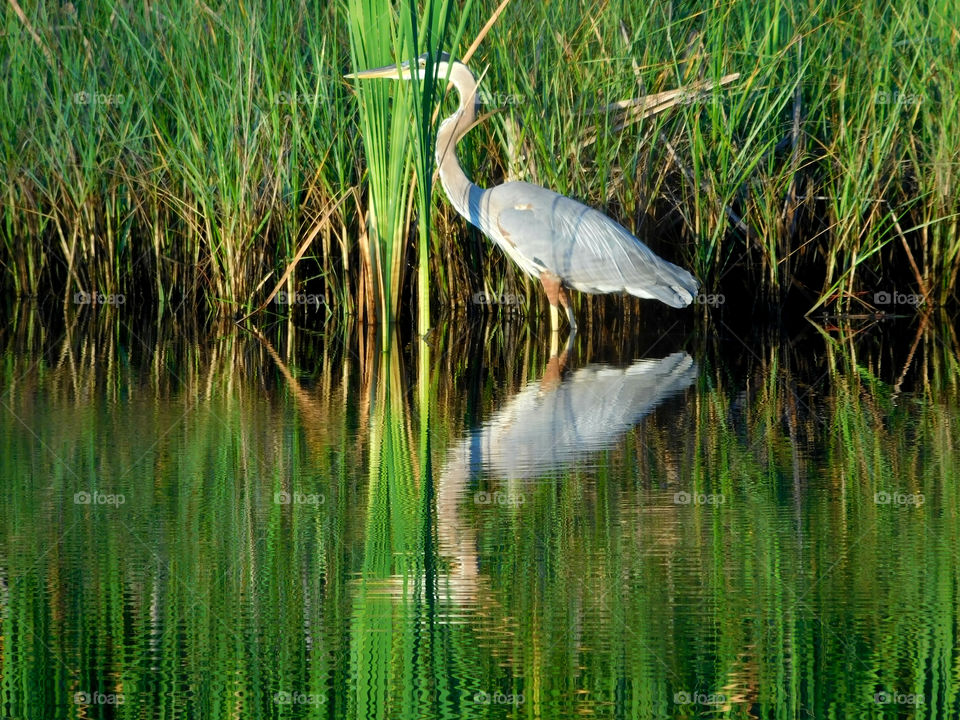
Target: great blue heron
(561,241)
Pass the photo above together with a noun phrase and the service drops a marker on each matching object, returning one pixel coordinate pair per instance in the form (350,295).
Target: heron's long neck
(463,194)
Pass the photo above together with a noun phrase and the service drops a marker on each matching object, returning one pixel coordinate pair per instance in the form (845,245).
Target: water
(203,524)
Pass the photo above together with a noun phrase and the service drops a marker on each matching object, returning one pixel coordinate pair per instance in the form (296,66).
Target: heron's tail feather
(675,286)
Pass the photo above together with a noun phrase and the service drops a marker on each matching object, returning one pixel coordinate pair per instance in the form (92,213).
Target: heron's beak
(387,71)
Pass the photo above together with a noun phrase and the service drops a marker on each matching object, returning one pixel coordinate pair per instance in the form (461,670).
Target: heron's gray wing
(590,410)
(586,249)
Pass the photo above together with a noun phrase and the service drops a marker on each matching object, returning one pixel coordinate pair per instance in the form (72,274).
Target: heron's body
(603,257)
(564,243)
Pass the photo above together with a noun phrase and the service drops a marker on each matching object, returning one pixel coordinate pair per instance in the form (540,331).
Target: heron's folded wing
(584,247)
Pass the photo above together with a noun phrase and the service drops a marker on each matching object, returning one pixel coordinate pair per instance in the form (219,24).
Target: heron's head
(407,70)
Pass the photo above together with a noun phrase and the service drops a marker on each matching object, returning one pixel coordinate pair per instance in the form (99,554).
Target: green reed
(183,154)
(384,115)
(428,33)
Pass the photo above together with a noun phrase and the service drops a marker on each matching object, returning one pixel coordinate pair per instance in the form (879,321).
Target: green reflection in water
(285,527)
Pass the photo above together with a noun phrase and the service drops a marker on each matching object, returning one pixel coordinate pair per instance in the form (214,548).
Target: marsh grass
(180,155)
(378,39)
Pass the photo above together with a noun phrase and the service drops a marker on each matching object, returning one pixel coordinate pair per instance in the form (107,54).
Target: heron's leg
(551,286)
(556,366)
(551,375)
(568,308)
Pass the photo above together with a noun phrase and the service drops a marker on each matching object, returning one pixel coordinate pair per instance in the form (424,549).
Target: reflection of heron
(543,428)
(551,237)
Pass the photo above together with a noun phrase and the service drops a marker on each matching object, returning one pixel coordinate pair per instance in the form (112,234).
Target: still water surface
(213,525)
